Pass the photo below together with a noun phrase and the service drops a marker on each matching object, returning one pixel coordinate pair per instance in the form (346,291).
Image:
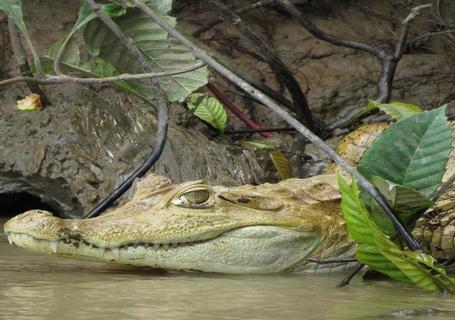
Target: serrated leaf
(163,52)
(377,251)
(13,9)
(211,111)
(397,110)
(281,164)
(412,152)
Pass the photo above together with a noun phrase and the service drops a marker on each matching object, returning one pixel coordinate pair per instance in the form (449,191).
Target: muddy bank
(74,152)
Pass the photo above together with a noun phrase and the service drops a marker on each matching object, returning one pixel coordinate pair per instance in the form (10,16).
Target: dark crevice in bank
(12,204)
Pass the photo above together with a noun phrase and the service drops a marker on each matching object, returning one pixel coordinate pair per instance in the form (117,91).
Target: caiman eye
(193,199)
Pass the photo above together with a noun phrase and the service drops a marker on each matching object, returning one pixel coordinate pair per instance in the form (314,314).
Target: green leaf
(259,145)
(412,152)
(13,9)
(86,14)
(377,251)
(401,199)
(163,52)
(97,67)
(397,110)
(208,109)
(71,56)
(281,164)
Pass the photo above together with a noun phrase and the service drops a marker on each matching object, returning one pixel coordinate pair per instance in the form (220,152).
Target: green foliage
(208,109)
(406,163)
(407,203)
(13,9)
(397,110)
(163,52)
(259,145)
(377,251)
(72,61)
(412,152)
(86,15)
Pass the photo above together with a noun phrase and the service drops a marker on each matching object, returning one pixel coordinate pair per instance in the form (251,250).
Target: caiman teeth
(10,240)
(54,245)
(116,252)
(59,245)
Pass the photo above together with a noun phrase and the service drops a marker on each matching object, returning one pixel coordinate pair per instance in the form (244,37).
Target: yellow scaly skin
(247,229)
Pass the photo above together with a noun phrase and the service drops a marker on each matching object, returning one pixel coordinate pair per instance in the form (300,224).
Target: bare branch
(282,72)
(416,11)
(318,33)
(211,24)
(203,55)
(68,79)
(389,62)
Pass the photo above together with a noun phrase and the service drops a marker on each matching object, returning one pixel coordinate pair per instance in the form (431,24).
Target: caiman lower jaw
(255,249)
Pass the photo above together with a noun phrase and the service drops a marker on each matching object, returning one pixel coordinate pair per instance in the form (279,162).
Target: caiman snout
(37,223)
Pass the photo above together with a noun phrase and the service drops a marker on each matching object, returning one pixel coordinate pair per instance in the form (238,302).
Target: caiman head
(194,226)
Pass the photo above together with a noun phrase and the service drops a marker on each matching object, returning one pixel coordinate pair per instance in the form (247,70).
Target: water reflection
(36,287)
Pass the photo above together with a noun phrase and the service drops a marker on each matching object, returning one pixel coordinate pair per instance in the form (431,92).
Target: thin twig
(209,25)
(351,275)
(65,79)
(163,117)
(432,34)
(318,33)
(389,62)
(364,183)
(329,261)
(282,72)
(260,130)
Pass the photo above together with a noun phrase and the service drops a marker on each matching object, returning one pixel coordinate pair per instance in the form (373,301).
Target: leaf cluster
(406,164)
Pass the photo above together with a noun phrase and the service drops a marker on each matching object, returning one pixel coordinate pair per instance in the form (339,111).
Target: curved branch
(163,116)
(318,33)
(65,79)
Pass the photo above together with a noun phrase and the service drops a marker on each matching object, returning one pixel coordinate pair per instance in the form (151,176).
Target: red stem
(236,111)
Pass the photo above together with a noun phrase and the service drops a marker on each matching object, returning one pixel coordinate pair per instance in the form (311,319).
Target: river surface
(49,288)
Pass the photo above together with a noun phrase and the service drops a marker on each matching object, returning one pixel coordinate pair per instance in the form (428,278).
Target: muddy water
(48,288)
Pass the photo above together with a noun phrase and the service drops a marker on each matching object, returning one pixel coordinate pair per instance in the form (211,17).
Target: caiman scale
(247,229)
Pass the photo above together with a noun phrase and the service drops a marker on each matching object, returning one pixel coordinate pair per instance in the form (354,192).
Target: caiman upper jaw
(37,223)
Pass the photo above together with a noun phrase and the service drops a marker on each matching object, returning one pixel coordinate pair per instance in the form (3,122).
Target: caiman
(283,227)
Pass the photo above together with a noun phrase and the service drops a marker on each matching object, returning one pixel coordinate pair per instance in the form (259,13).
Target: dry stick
(211,24)
(389,62)
(277,96)
(351,275)
(66,79)
(282,72)
(328,261)
(22,62)
(260,130)
(364,183)
(163,116)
